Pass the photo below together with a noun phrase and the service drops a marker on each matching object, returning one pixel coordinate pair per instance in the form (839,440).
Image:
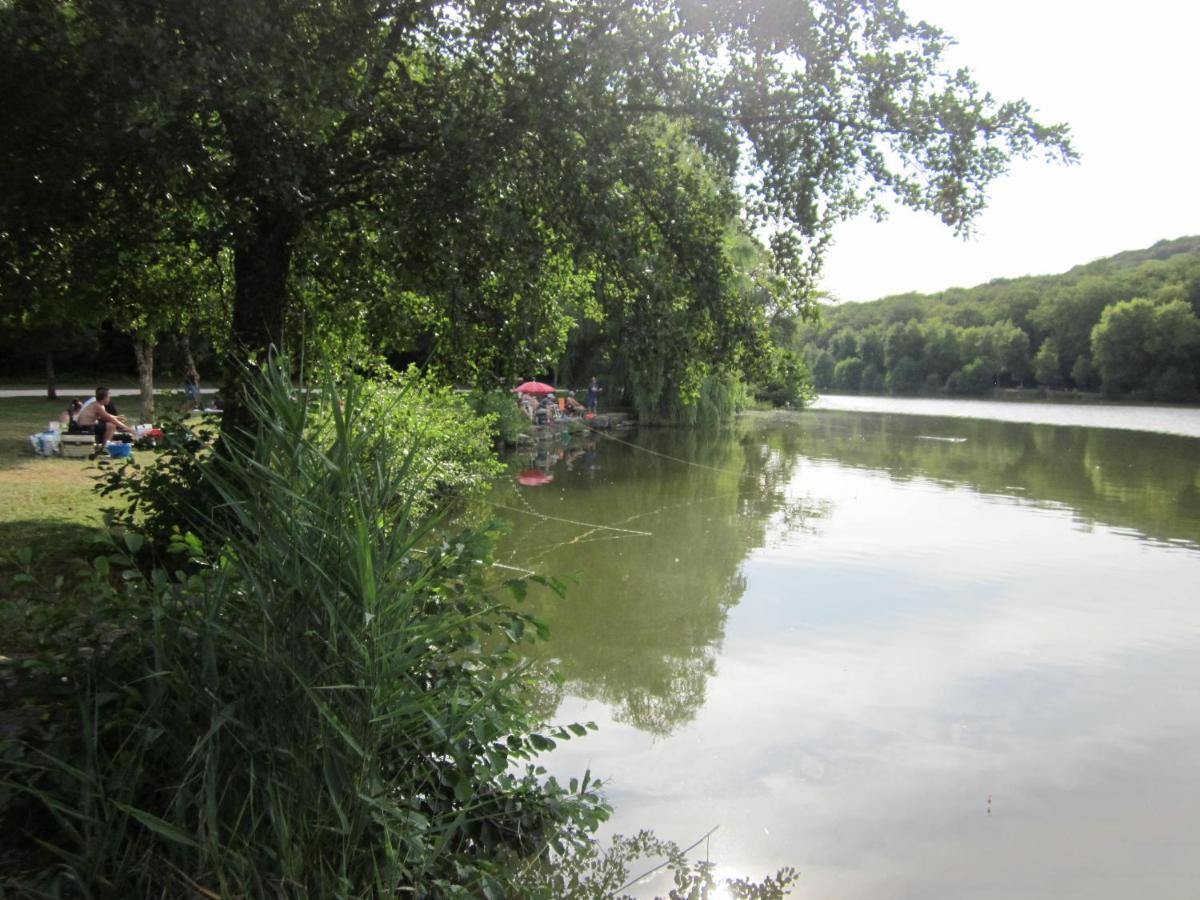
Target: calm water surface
(911,656)
(1126,416)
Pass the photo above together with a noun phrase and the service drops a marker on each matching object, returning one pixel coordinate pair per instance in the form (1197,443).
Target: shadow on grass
(58,556)
(17,453)
(54,545)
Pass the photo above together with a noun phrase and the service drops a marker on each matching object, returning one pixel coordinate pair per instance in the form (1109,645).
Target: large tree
(483,142)
(1140,346)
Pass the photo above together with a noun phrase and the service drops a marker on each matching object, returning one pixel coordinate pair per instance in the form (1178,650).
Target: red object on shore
(534,387)
(534,477)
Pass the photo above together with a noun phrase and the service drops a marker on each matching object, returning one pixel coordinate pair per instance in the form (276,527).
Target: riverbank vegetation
(312,691)
(1127,326)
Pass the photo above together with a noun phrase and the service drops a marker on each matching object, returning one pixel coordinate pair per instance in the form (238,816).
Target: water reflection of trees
(642,627)
(1146,483)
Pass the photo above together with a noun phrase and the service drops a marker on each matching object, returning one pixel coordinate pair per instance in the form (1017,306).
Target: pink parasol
(534,477)
(534,387)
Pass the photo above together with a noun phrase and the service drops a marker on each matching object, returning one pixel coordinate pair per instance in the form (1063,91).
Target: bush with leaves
(499,408)
(407,420)
(319,698)
(972,380)
(788,381)
(450,443)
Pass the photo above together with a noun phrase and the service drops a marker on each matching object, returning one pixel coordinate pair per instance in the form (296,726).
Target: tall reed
(319,698)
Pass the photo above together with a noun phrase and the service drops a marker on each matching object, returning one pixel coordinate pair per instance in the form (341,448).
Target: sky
(1125,76)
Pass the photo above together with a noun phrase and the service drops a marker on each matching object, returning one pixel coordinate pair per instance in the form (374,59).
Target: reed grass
(318,698)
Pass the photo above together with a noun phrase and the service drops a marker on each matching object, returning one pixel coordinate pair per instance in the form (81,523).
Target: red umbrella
(534,387)
(534,477)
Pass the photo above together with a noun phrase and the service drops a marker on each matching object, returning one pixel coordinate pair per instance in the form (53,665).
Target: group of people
(551,407)
(97,416)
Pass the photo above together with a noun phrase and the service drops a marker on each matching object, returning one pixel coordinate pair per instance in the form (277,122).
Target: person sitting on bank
(528,406)
(109,404)
(97,419)
(573,406)
(547,411)
(68,417)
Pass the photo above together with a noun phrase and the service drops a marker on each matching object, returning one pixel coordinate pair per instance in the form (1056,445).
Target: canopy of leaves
(483,175)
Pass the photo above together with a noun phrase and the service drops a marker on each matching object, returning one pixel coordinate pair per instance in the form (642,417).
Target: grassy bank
(49,518)
(42,500)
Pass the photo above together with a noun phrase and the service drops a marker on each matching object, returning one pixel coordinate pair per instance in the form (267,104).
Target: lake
(910,655)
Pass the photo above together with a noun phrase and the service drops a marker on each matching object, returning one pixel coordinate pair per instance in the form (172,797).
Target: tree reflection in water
(642,625)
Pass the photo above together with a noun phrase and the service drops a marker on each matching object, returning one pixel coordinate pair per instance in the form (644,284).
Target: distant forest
(1127,325)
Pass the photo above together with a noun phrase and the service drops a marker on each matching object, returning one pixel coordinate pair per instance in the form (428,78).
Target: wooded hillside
(1128,325)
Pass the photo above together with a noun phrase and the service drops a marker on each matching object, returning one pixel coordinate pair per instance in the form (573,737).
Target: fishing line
(677,459)
(740,475)
(670,506)
(497,565)
(592,525)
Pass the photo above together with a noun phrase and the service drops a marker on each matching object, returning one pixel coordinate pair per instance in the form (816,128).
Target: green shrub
(166,493)
(442,444)
(500,410)
(451,447)
(318,699)
(596,871)
(788,381)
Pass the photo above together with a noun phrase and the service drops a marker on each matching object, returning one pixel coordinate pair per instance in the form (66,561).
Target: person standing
(593,395)
(191,385)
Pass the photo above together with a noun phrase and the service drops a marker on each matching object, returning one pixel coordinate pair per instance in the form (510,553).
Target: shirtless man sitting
(99,420)
(574,407)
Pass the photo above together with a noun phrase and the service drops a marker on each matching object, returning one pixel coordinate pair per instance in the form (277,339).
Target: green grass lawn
(48,507)
(44,493)
(40,496)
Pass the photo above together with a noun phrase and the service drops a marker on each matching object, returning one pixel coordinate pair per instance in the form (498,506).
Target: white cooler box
(77,446)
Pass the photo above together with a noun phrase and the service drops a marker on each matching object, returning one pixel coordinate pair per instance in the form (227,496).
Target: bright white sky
(1125,76)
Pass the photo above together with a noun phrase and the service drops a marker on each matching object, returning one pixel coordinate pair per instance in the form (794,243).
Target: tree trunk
(51,379)
(185,347)
(143,349)
(262,259)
